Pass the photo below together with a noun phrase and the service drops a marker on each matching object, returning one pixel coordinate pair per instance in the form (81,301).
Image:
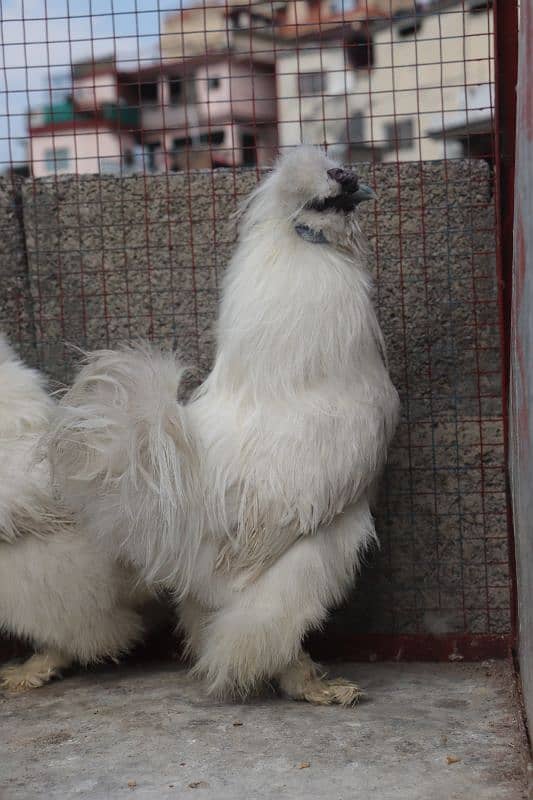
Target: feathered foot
(38,670)
(304,680)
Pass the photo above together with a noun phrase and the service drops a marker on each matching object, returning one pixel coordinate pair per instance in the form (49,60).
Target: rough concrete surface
(120,258)
(16,305)
(445,732)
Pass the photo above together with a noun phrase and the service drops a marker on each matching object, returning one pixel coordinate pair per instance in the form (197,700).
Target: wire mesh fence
(129,131)
(126,86)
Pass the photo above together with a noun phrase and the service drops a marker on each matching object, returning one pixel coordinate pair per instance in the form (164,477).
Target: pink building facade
(82,148)
(209,112)
(93,128)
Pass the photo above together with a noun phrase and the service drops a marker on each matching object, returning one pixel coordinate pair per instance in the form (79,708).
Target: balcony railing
(120,115)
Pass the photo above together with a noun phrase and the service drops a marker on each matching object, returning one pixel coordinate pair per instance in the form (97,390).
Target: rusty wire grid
(130,130)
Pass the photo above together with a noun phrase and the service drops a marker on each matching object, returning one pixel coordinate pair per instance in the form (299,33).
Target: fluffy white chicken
(250,503)
(58,588)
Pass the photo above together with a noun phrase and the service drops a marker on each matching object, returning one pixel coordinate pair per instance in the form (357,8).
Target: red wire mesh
(143,94)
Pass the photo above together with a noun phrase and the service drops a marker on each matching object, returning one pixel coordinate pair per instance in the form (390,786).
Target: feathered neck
(292,314)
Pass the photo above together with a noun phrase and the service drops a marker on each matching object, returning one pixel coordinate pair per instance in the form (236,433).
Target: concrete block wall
(16,305)
(108,259)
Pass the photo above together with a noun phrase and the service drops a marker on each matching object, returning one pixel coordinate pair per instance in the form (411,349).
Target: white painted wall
(242,92)
(94,90)
(422,77)
(194,31)
(88,151)
(314,119)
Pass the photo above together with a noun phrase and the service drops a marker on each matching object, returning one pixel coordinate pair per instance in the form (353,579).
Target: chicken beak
(364,193)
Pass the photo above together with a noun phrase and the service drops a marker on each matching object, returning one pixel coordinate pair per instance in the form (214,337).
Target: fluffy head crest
(312,194)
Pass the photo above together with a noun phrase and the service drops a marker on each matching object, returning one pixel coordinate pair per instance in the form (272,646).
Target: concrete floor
(147,732)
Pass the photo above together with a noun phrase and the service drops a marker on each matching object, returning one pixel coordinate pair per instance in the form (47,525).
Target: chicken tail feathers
(123,455)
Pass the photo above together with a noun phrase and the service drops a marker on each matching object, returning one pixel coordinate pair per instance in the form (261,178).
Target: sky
(41,38)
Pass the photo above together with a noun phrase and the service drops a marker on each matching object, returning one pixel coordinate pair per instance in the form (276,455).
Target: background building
(94,127)
(429,93)
(373,80)
(415,86)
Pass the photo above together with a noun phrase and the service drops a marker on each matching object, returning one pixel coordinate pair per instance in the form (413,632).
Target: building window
(356,127)
(260,21)
(109,165)
(57,160)
(312,82)
(359,50)
(249,150)
(181,144)
(409,26)
(213,137)
(175,91)
(152,151)
(478,6)
(129,158)
(342,6)
(399,133)
(213,83)
(148,93)
(239,19)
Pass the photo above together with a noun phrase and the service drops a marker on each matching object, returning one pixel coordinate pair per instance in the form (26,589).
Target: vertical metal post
(506,66)
(521,387)
(506,72)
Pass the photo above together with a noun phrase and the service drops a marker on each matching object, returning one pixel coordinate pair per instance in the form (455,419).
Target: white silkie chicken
(250,502)
(59,590)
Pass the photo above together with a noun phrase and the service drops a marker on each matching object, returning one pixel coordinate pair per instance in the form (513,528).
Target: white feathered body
(24,415)
(251,501)
(58,588)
